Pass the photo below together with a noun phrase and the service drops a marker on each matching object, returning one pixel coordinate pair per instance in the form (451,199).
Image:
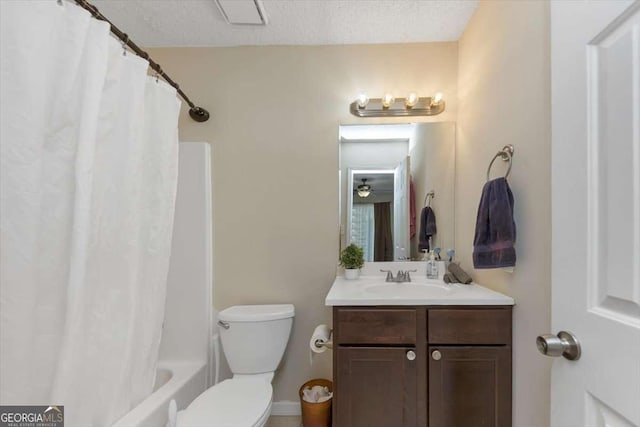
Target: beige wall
(274,134)
(504,98)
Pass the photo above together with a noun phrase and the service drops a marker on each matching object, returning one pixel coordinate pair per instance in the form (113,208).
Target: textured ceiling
(166,23)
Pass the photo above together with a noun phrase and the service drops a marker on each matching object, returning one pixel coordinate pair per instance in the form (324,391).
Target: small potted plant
(352,259)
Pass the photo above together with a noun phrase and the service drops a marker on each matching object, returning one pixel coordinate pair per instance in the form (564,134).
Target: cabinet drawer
(476,326)
(375,326)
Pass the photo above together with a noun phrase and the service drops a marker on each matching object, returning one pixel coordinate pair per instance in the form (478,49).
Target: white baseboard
(285,408)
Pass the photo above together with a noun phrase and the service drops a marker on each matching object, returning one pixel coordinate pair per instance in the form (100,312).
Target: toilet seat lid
(231,403)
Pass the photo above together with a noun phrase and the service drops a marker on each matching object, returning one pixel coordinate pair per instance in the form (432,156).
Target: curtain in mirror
(363,228)
(384,240)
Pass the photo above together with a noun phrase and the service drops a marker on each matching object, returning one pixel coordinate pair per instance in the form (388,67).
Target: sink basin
(374,291)
(409,290)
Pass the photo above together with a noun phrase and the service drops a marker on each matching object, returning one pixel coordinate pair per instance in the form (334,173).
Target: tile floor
(284,422)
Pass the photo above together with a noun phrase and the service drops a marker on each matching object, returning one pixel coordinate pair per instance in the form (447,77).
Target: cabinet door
(469,386)
(375,387)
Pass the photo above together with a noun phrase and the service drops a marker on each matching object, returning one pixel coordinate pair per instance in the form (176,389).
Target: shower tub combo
(182,381)
(189,362)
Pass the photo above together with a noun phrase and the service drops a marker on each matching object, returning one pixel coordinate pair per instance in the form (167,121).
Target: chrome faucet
(390,277)
(405,276)
(401,277)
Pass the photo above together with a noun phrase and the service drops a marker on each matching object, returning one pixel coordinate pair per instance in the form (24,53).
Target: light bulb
(362,100)
(387,100)
(411,100)
(437,98)
(364,189)
(364,193)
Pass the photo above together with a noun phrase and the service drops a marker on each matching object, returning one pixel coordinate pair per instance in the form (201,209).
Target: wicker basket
(316,414)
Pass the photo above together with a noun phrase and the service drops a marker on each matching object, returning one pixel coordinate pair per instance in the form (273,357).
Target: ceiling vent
(243,12)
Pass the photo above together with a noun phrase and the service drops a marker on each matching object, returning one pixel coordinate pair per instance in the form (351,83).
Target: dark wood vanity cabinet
(378,383)
(379,378)
(470,386)
(422,366)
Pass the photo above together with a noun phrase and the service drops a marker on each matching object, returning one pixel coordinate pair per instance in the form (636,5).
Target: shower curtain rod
(198,114)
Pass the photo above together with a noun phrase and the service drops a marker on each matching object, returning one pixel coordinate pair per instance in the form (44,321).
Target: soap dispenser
(432,267)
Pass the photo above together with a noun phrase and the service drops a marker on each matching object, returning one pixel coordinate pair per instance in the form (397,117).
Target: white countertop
(373,290)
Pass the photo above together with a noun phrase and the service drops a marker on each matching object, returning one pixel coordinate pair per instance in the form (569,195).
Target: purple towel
(495,228)
(427,228)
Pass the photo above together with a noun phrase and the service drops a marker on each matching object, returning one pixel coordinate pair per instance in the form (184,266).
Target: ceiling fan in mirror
(364,189)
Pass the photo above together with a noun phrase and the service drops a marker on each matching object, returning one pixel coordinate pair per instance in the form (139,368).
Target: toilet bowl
(238,402)
(254,338)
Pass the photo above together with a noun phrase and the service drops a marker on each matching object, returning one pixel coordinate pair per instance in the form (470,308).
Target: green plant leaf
(352,257)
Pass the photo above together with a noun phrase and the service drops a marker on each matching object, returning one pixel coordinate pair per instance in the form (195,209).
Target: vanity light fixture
(388,106)
(364,189)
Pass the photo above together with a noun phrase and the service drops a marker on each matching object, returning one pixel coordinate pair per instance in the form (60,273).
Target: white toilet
(254,338)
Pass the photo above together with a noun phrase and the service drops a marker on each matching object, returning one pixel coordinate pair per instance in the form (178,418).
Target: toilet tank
(254,337)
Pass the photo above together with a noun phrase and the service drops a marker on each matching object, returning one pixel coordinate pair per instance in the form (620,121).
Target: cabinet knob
(436,355)
(411,355)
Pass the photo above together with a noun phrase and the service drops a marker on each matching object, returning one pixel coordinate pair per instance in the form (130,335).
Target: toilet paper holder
(328,344)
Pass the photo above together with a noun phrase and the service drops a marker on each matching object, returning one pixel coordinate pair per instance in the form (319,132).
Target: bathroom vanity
(420,354)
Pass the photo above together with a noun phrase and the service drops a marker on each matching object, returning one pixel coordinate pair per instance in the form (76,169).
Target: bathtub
(182,381)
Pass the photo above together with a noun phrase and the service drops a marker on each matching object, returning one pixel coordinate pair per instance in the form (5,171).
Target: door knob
(436,355)
(564,344)
(411,355)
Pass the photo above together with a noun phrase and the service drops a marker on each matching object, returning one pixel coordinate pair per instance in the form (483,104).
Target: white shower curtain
(88,171)
(363,228)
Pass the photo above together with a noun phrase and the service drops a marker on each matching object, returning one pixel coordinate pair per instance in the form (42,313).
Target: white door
(595,75)
(401,177)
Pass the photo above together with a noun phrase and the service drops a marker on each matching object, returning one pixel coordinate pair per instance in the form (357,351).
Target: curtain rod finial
(199,114)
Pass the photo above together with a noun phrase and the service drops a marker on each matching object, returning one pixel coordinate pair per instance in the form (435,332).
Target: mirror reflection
(397,189)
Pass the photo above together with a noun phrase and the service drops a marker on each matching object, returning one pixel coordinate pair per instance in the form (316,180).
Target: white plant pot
(351,273)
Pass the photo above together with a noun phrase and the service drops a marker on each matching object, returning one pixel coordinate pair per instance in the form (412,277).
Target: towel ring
(506,154)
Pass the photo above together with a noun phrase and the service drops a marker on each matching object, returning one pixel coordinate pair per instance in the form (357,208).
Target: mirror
(389,174)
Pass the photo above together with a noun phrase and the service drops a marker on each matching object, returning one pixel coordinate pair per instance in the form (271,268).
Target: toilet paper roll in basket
(320,339)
